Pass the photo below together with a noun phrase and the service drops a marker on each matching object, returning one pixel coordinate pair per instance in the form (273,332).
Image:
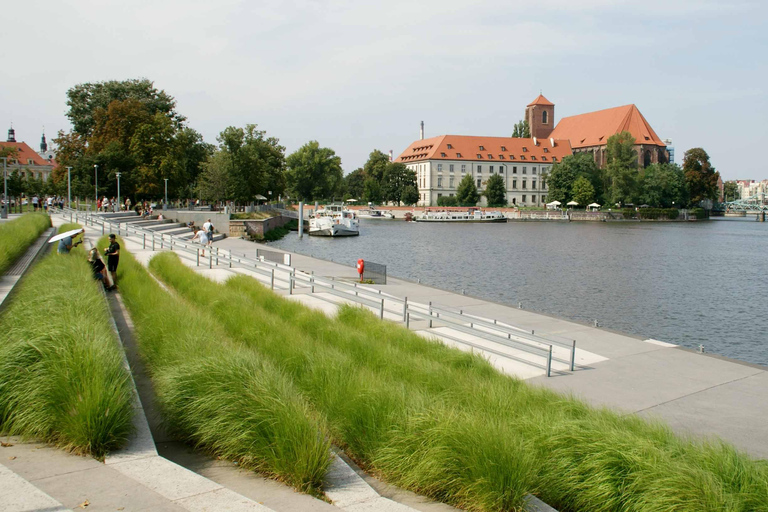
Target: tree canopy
(495,192)
(622,168)
(700,177)
(314,173)
(731,191)
(466,193)
(522,130)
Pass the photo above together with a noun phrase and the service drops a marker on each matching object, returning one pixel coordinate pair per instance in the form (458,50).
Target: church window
(544,116)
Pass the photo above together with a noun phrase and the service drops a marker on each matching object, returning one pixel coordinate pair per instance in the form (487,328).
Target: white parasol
(572,203)
(61,236)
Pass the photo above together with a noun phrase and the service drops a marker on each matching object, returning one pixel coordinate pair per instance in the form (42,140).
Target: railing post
(405,308)
(153,241)
(430,314)
(230,258)
(549,362)
(573,355)
(197,251)
(102,228)
(381,310)
(408,320)
(272,279)
(217,256)
(312,283)
(290,285)
(210,258)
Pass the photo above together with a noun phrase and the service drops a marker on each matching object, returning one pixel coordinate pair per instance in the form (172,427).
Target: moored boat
(333,220)
(459,215)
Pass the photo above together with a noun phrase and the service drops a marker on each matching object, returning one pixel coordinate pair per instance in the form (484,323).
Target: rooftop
(594,128)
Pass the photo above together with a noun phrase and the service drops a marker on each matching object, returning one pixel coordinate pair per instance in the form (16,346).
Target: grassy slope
(219,396)
(444,423)
(18,234)
(62,378)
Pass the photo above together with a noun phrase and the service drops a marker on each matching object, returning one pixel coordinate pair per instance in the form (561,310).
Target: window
(554,159)
(482,148)
(523,197)
(501,169)
(525,185)
(442,155)
(479,156)
(533,198)
(525,149)
(546,150)
(458,155)
(533,184)
(438,196)
(450,147)
(514,184)
(479,168)
(450,167)
(533,170)
(544,117)
(533,157)
(514,169)
(450,183)
(30,161)
(544,158)
(439,167)
(543,187)
(501,157)
(511,157)
(525,170)
(522,157)
(479,182)
(491,170)
(503,148)
(439,182)
(463,168)
(543,199)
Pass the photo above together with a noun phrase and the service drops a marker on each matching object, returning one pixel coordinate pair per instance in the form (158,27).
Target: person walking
(201,236)
(113,258)
(208,227)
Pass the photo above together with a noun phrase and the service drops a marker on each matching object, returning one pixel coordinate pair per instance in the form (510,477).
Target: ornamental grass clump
(62,378)
(18,234)
(219,396)
(446,424)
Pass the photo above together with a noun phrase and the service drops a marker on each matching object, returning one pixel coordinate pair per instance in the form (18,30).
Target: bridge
(753,204)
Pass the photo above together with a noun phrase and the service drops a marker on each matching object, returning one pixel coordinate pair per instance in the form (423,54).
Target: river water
(688,283)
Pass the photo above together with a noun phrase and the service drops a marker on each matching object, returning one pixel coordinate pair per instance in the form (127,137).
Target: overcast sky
(358,75)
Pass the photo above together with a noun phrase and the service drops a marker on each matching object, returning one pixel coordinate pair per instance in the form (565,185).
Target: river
(688,283)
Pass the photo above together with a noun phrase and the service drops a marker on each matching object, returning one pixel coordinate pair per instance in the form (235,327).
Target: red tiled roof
(594,128)
(541,100)
(492,149)
(25,153)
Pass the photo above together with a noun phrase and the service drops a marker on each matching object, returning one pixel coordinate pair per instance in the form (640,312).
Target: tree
(731,191)
(215,182)
(16,184)
(256,162)
(564,174)
(700,177)
(396,177)
(622,167)
(354,182)
(522,130)
(466,193)
(582,191)
(84,100)
(447,201)
(314,172)
(495,191)
(410,195)
(376,165)
(662,185)
(371,191)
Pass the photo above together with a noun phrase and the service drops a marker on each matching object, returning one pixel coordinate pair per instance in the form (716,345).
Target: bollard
(573,355)
(549,362)
(144,241)
(162,239)
(272,279)
(381,310)
(405,308)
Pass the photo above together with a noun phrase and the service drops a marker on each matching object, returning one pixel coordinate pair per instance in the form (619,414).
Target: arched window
(647,158)
(544,116)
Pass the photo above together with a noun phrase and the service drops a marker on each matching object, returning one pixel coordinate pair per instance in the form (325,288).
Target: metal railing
(281,275)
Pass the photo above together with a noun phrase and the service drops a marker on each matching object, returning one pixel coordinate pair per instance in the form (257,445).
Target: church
(441,162)
(28,162)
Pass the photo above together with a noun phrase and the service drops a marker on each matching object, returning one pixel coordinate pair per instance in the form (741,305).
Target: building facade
(442,162)
(29,163)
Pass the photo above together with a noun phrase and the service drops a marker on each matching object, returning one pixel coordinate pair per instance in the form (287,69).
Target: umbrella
(593,205)
(351,200)
(572,203)
(260,197)
(554,203)
(61,236)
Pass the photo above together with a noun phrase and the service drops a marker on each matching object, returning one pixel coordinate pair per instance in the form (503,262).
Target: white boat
(373,213)
(460,215)
(333,220)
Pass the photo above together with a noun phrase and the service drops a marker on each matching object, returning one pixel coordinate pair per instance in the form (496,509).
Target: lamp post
(69,187)
(96,181)
(119,206)
(5,188)
(166,191)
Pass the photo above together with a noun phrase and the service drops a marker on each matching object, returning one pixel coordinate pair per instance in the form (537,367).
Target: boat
(459,215)
(373,213)
(333,220)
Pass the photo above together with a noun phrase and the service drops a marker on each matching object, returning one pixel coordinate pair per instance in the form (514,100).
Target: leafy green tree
(16,184)
(372,191)
(662,185)
(731,191)
(190,154)
(447,201)
(495,191)
(582,191)
(215,183)
(622,167)
(466,193)
(564,174)
(522,130)
(84,100)
(376,165)
(257,162)
(314,172)
(396,177)
(700,177)
(354,182)
(410,195)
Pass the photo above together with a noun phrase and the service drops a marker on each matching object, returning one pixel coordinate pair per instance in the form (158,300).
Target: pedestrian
(98,205)
(127,204)
(202,237)
(113,258)
(67,243)
(98,267)
(35,202)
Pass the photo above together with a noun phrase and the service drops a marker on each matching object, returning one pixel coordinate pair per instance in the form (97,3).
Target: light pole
(69,187)
(5,188)
(96,181)
(166,191)
(119,207)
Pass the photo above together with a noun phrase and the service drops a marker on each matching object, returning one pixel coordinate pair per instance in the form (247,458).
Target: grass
(18,234)
(445,424)
(62,378)
(218,395)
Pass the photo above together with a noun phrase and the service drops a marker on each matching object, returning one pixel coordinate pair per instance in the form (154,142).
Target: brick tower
(540,114)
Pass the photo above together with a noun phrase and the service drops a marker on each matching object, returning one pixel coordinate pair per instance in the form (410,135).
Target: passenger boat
(333,220)
(373,213)
(459,215)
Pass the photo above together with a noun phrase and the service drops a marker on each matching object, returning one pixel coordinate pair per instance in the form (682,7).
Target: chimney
(535,142)
(552,141)
(390,155)
(421,132)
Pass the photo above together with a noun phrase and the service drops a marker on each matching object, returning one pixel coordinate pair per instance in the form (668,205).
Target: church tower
(43,144)
(11,134)
(540,114)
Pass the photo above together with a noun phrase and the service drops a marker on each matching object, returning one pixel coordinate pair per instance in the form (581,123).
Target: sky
(361,75)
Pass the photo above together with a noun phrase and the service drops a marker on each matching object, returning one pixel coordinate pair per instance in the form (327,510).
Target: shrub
(447,201)
(629,213)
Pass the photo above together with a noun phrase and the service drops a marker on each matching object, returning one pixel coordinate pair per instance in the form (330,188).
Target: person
(98,204)
(50,203)
(208,227)
(35,202)
(201,236)
(97,265)
(127,204)
(66,244)
(113,258)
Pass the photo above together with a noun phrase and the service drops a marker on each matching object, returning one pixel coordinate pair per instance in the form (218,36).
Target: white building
(442,162)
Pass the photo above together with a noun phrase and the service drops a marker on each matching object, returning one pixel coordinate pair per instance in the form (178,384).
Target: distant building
(540,114)
(752,188)
(442,162)
(670,150)
(589,133)
(28,162)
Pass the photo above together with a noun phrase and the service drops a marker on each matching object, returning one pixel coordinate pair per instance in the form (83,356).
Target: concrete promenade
(700,394)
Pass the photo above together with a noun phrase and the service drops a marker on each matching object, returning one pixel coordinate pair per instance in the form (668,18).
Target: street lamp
(96,181)
(166,191)
(5,188)
(69,187)
(119,207)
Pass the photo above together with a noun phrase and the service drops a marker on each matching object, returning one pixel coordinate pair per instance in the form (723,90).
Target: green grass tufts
(18,234)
